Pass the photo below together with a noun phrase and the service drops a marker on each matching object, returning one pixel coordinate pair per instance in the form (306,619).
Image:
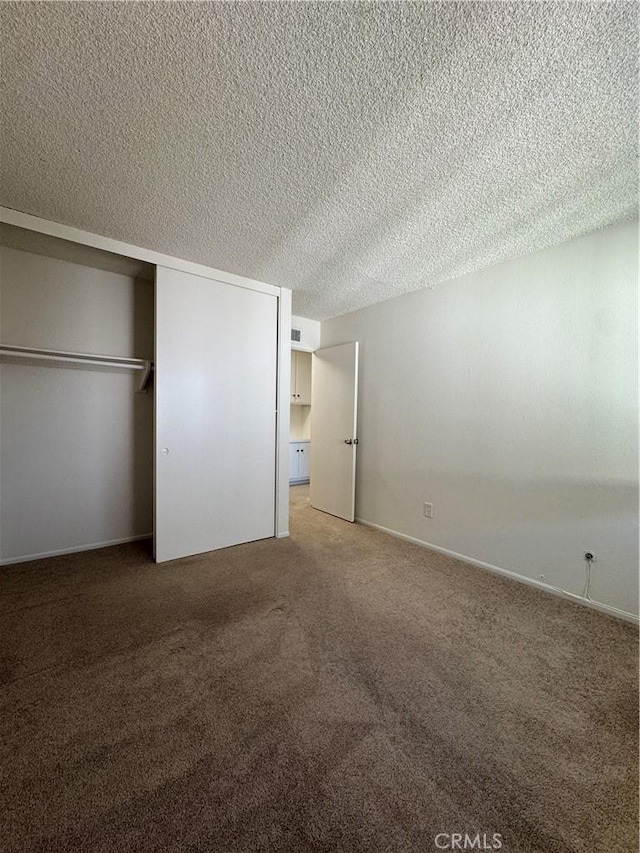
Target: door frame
(28,222)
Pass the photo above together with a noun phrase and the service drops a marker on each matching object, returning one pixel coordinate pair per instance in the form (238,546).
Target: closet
(76,458)
(138,398)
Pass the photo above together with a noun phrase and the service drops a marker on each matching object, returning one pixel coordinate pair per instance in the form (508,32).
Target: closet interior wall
(76,445)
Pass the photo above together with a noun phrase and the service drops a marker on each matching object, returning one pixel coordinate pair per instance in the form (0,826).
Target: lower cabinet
(299,454)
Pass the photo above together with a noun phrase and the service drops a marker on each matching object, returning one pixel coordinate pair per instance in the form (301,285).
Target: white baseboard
(594,605)
(25,559)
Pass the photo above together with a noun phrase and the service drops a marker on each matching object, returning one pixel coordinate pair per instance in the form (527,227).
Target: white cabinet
(304,463)
(299,454)
(300,378)
(294,460)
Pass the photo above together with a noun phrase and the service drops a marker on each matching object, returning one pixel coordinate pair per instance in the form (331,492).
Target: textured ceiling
(351,152)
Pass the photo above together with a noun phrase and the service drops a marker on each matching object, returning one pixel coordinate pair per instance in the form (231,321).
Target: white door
(334,399)
(215,396)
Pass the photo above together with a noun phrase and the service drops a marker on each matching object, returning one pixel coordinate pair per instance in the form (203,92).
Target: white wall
(76,446)
(509,399)
(300,423)
(310,333)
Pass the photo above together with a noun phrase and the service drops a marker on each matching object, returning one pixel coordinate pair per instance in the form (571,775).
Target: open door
(215,394)
(334,403)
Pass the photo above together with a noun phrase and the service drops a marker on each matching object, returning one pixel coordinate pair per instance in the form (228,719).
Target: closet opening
(76,397)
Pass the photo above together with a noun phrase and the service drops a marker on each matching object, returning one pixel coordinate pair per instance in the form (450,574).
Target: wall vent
(296,335)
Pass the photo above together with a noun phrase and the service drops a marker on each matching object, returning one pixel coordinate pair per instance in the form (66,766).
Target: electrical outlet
(427,510)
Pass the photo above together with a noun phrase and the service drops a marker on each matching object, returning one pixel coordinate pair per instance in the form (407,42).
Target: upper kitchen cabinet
(300,378)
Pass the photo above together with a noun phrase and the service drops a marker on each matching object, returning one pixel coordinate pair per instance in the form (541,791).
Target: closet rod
(87,360)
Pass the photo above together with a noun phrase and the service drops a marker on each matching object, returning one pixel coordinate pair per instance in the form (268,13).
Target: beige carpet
(336,691)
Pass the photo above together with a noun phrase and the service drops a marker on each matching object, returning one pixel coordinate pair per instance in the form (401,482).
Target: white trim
(117,247)
(76,549)
(569,596)
(283,414)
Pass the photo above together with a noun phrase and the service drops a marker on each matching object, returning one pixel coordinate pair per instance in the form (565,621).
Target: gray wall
(76,446)
(509,399)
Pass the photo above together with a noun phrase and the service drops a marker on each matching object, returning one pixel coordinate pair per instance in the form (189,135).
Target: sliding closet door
(215,387)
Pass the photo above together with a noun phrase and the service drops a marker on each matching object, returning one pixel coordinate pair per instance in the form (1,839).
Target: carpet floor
(339,690)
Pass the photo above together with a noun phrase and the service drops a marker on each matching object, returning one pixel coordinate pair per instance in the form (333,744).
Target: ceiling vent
(296,335)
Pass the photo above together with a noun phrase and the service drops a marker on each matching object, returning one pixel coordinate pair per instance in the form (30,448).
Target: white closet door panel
(215,388)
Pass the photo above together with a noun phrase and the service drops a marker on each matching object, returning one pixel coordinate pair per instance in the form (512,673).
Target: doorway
(300,418)
(323,418)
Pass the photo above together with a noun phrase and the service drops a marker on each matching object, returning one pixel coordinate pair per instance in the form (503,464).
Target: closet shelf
(78,360)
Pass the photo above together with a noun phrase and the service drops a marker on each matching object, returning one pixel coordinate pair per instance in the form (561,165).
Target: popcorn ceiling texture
(351,152)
